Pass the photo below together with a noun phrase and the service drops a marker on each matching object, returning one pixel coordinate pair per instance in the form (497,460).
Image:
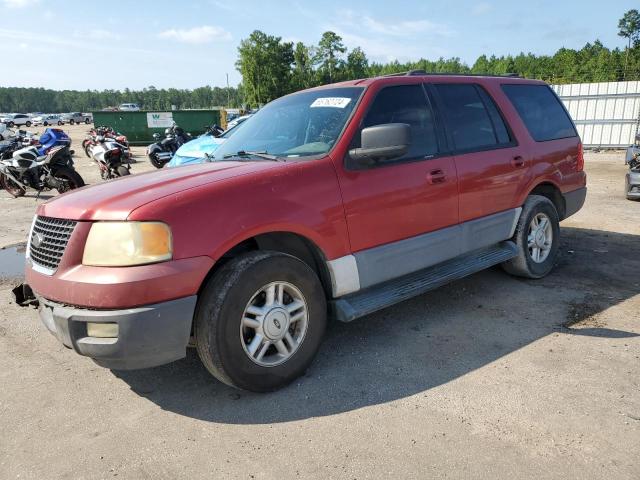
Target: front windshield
(298,125)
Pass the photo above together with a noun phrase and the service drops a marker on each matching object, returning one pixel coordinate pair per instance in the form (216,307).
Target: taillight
(580,158)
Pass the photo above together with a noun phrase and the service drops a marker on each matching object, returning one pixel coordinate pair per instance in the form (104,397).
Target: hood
(116,199)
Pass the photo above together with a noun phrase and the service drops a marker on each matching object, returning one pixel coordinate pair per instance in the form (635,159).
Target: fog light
(102,330)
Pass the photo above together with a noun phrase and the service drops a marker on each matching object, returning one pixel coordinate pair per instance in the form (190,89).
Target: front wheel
(122,171)
(72,121)
(45,124)
(69,177)
(60,123)
(260,321)
(12,187)
(86,120)
(537,237)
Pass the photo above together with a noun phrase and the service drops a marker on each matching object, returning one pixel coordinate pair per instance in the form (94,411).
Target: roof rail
(411,73)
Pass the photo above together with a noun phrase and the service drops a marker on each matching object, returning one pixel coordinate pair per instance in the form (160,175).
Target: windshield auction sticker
(333,102)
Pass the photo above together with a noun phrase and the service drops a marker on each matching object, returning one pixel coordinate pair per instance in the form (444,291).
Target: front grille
(52,237)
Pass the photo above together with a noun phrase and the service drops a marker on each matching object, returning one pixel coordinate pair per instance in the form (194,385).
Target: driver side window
(406,104)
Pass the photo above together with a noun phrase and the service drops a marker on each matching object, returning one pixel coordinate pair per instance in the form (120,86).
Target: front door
(390,206)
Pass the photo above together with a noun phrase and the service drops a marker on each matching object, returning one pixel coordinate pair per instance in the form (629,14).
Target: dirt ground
(489,377)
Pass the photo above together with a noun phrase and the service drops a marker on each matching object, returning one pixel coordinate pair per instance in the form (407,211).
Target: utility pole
(228,93)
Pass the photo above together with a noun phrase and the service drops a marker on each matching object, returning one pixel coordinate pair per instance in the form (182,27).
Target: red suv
(335,201)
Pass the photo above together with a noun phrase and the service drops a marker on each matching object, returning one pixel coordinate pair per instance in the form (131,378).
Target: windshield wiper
(261,154)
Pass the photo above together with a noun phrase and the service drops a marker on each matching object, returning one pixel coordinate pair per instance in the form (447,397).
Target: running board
(355,305)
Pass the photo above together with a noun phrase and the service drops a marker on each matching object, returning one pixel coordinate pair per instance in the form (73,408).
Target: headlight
(121,244)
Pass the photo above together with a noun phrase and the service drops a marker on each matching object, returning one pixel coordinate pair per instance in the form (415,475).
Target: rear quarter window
(541,111)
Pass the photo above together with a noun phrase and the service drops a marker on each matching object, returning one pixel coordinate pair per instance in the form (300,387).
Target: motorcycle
(103,131)
(111,157)
(632,178)
(28,169)
(161,152)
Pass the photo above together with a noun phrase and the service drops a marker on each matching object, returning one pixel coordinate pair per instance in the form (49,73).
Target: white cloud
(481,8)
(406,27)
(197,35)
(367,24)
(97,34)
(19,3)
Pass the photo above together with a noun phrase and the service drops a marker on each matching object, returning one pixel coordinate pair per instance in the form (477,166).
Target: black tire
(11,124)
(60,123)
(45,124)
(218,317)
(72,178)
(155,161)
(523,265)
(85,146)
(122,171)
(28,124)
(86,120)
(72,122)
(11,187)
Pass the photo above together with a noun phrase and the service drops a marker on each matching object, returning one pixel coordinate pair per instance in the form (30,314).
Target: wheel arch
(291,243)
(552,192)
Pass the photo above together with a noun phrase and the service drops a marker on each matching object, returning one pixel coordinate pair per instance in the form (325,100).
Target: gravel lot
(489,377)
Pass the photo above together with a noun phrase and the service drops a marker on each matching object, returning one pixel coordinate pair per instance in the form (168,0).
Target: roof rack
(411,73)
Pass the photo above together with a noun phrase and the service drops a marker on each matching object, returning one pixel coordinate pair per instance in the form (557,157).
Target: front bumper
(147,336)
(633,184)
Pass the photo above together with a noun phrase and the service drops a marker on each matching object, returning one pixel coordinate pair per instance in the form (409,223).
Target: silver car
(632,179)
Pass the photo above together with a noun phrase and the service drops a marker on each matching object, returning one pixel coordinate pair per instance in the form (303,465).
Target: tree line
(271,68)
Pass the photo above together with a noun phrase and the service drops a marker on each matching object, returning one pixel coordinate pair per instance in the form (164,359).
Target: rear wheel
(537,237)
(260,321)
(70,179)
(12,187)
(11,124)
(86,120)
(46,124)
(155,161)
(28,124)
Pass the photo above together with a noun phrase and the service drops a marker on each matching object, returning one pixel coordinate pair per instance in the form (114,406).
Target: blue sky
(185,44)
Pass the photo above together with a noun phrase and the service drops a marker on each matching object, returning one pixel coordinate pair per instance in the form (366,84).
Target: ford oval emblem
(37,239)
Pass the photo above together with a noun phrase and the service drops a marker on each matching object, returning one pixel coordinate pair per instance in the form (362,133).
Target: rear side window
(406,104)
(472,117)
(541,112)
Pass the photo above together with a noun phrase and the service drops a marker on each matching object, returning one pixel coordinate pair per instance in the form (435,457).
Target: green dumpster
(139,127)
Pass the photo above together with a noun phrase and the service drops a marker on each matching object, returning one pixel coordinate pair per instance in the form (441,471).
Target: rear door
(491,166)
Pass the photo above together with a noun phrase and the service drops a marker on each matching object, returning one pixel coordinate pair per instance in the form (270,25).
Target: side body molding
(380,264)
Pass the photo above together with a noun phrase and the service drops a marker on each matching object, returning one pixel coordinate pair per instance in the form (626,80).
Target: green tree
(329,55)
(357,64)
(629,28)
(265,64)
(303,75)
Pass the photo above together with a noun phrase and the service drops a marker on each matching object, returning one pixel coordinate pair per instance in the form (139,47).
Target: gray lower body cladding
(147,336)
(573,201)
(380,264)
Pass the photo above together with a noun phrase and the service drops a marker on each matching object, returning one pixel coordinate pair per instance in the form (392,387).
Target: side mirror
(382,142)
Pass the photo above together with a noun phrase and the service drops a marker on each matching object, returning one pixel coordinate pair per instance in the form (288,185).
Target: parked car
(342,200)
(632,178)
(17,120)
(77,117)
(129,107)
(237,121)
(49,119)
